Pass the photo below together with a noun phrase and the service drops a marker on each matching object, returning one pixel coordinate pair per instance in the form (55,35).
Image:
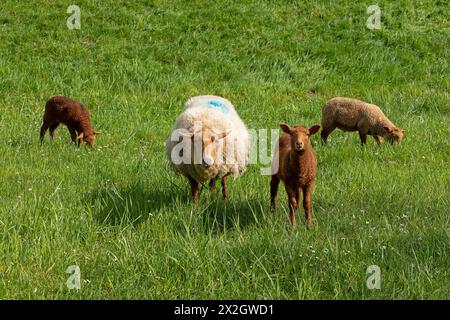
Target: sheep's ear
(197,131)
(388,130)
(285,128)
(187,134)
(223,134)
(80,136)
(313,129)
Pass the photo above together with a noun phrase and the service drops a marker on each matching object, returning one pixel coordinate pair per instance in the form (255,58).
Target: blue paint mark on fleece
(218,105)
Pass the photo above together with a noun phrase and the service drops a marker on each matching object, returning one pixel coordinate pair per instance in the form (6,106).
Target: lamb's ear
(388,130)
(80,136)
(285,128)
(313,129)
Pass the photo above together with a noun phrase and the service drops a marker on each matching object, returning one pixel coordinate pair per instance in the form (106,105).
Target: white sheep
(209,141)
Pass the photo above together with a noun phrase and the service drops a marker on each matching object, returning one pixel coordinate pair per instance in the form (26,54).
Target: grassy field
(126,219)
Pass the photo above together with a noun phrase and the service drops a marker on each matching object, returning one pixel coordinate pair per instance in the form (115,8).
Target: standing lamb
(297,167)
(74,115)
(214,143)
(356,115)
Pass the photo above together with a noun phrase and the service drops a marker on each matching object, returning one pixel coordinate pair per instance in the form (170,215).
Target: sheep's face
(299,136)
(394,135)
(209,142)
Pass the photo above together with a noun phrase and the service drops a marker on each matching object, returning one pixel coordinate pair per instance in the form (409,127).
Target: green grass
(126,220)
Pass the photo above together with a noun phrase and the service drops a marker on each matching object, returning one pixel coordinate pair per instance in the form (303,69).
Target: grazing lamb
(214,143)
(71,113)
(297,167)
(356,115)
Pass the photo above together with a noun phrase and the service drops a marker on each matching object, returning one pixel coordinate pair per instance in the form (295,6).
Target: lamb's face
(394,135)
(89,139)
(300,136)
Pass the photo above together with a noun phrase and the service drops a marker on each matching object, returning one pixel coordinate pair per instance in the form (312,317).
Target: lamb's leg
(53,127)
(307,203)
(45,125)
(363,138)
(297,198)
(274,183)
(326,132)
(79,141)
(194,189)
(362,129)
(377,139)
(73,134)
(292,206)
(224,187)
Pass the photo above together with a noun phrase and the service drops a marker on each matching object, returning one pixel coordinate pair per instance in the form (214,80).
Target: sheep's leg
(274,183)
(307,204)
(195,185)
(45,125)
(224,187)
(53,127)
(292,206)
(212,184)
(377,139)
(73,134)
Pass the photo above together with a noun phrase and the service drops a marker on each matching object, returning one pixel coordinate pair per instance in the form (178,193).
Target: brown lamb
(297,167)
(74,115)
(356,115)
